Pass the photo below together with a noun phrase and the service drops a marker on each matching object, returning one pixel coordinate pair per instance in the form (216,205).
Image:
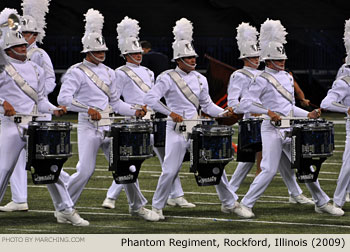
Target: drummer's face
(276,64)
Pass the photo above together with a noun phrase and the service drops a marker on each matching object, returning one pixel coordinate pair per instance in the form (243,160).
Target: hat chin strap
(251,62)
(188,65)
(278,67)
(30,37)
(18,54)
(97,59)
(133,59)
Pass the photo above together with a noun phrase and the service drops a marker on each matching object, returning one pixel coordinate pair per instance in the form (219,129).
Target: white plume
(271,31)
(37,9)
(93,22)
(347,36)
(246,32)
(183,30)
(128,27)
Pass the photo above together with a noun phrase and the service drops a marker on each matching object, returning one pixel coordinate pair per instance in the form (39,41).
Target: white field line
(216,219)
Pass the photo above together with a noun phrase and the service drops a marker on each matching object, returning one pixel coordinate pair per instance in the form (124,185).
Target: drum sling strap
(184,88)
(32,51)
(346,79)
(138,81)
(246,73)
(284,92)
(21,83)
(103,87)
(95,79)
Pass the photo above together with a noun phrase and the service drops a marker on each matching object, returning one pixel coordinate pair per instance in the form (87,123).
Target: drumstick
(58,109)
(223,112)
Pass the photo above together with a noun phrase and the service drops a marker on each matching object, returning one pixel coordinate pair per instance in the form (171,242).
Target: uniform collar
(270,70)
(129,64)
(33,45)
(249,68)
(90,64)
(181,72)
(16,61)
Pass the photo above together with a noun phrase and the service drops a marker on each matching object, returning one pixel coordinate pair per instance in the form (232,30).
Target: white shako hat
(93,40)
(33,19)
(271,40)
(9,38)
(182,46)
(128,40)
(247,41)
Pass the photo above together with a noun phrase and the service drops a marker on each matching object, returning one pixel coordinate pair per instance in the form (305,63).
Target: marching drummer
(338,100)
(134,81)
(184,90)
(22,93)
(32,26)
(237,89)
(271,93)
(90,88)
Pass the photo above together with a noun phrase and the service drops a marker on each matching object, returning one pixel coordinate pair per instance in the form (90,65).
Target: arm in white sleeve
(334,96)
(43,60)
(44,105)
(250,101)
(152,98)
(117,104)
(71,82)
(207,105)
(234,90)
(299,112)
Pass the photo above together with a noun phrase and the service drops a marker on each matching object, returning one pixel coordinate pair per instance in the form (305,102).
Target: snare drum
(214,143)
(249,134)
(51,139)
(48,148)
(130,146)
(133,139)
(314,137)
(211,149)
(159,131)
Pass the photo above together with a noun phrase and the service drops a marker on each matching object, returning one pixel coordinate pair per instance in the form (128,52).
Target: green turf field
(274,215)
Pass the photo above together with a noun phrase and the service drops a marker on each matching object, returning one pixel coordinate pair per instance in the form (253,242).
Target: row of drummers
(211,148)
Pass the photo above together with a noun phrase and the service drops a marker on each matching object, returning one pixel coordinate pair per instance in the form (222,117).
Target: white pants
(10,148)
(343,182)
(176,189)
(18,180)
(243,168)
(274,147)
(175,149)
(90,139)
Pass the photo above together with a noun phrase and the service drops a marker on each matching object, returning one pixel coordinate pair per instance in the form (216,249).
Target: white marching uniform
(133,94)
(78,92)
(18,180)
(262,96)
(238,87)
(11,138)
(176,144)
(338,100)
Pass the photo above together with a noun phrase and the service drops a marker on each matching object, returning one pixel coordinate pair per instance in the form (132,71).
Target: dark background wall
(315,29)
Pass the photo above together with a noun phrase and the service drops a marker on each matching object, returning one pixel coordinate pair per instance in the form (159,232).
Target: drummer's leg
(10,148)
(18,180)
(241,172)
(175,149)
(89,141)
